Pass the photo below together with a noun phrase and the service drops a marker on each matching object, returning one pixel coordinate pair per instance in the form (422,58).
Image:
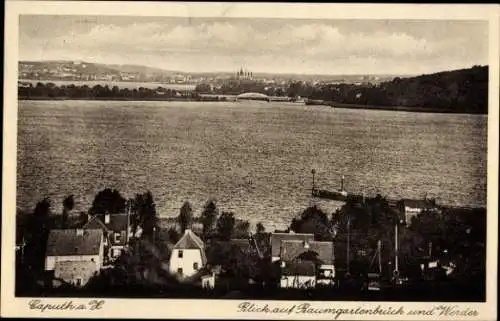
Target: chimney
(107,218)
(79,232)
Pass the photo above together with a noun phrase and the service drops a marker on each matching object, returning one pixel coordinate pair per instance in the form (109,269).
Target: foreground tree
(241,230)
(225,226)
(313,220)
(144,214)
(209,219)
(259,228)
(38,228)
(186,216)
(108,201)
(173,235)
(68,205)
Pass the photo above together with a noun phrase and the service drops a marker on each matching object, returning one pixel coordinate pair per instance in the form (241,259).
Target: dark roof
(95,223)
(299,268)
(277,238)
(293,249)
(191,241)
(68,242)
(117,222)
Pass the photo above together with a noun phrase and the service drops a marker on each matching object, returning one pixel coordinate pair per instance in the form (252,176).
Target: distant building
(117,231)
(208,281)
(188,255)
(244,75)
(74,256)
(277,238)
(412,207)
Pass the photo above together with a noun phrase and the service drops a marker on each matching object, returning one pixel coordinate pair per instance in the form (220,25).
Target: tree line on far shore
(52,91)
(462,91)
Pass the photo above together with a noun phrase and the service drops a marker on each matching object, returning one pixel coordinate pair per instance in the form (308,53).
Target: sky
(297,46)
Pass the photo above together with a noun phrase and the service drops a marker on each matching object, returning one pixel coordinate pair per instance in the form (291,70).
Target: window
(79,282)
(181,254)
(179,271)
(195,266)
(118,237)
(115,252)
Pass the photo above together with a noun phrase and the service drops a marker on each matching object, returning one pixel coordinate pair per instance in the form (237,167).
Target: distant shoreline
(391,108)
(126,99)
(223,98)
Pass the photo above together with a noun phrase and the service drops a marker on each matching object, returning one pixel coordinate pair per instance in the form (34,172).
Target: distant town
(438,92)
(84,71)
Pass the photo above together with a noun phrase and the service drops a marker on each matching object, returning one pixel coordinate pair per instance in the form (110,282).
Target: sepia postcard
(250,161)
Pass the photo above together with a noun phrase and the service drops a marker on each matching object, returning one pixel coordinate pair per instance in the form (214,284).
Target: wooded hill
(457,91)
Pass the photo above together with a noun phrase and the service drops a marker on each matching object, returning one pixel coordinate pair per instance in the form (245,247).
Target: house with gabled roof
(321,254)
(117,231)
(74,256)
(188,255)
(298,275)
(277,238)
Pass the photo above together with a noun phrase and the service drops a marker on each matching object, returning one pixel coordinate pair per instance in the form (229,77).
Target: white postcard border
(209,309)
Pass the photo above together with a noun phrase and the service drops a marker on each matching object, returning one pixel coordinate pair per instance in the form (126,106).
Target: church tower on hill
(244,74)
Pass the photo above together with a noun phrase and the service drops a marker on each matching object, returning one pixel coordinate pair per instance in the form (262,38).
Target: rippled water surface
(254,158)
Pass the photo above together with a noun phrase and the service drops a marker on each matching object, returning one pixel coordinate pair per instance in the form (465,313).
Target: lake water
(254,158)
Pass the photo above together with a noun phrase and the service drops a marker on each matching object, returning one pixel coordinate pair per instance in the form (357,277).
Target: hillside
(140,69)
(78,70)
(457,91)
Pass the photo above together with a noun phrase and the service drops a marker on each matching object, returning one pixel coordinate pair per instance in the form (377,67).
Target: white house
(188,255)
(74,256)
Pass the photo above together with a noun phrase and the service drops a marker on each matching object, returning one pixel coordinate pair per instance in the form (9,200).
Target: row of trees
(52,91)
(143,262)
(448,234)
(34,227)
(458,235)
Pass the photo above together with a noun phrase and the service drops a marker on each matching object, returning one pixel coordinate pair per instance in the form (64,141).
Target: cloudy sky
(261,45)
